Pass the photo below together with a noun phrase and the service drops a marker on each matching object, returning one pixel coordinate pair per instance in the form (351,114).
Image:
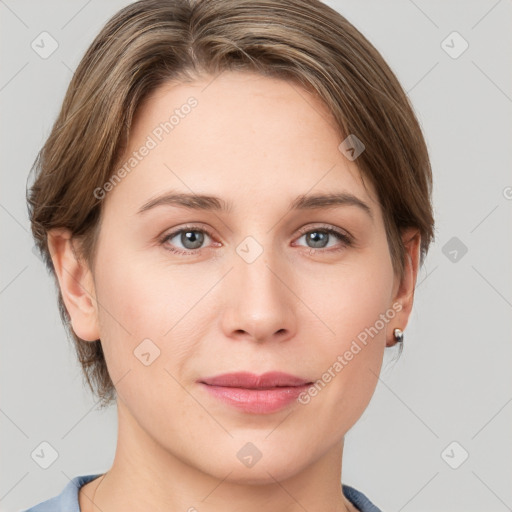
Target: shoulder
(359,500)
(67,500)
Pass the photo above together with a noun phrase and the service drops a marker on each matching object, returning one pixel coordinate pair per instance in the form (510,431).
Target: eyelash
(346,240)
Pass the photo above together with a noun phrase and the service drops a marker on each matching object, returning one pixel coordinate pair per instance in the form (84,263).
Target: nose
(260,303)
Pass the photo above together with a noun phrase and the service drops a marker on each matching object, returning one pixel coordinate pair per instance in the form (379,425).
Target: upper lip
(253,381)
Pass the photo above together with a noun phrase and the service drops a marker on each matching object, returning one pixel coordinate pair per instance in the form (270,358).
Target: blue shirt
(67,500)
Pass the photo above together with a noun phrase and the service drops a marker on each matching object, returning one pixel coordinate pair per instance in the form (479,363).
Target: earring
(399,335)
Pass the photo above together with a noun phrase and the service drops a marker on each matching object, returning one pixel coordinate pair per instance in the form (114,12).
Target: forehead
(241,136)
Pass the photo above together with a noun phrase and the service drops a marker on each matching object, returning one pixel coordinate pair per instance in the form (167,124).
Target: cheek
(143,296)
(351,297)
(355,305)
(140,302)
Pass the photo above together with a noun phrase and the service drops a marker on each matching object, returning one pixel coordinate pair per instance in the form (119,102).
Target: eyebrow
(217,204)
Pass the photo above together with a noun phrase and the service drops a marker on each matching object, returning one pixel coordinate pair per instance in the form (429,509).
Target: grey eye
(318,238)
(189,239)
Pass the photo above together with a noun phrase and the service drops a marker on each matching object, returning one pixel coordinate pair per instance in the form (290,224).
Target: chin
(263,471)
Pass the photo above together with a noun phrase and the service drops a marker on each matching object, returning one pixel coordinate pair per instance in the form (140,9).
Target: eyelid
(330,228)
(319,225)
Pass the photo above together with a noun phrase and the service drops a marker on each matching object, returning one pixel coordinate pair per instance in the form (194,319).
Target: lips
(249,380)
(257,394)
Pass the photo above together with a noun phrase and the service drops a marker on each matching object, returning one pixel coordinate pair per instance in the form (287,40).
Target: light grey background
(452,382)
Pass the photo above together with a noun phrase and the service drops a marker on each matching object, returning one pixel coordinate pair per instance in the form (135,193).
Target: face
(261,279)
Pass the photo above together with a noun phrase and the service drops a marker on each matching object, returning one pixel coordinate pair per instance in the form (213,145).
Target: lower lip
(258,401)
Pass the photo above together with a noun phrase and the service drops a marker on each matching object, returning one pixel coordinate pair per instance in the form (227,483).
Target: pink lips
(261,394)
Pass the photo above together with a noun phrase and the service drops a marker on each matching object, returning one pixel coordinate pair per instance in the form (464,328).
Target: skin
(260,143)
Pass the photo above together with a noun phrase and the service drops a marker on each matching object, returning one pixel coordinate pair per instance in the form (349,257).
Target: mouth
(257,394)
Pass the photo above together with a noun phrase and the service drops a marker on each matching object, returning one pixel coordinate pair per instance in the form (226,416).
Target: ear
(76,284)
(404,289)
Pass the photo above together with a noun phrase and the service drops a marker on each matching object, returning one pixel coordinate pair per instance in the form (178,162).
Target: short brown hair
(151,42)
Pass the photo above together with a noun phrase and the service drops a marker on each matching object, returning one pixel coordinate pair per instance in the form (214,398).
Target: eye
(320,236)
(190,237)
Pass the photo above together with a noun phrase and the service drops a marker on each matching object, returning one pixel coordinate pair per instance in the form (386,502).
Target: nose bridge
(259,302)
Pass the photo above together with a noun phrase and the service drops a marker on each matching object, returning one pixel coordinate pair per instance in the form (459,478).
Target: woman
(235,201)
